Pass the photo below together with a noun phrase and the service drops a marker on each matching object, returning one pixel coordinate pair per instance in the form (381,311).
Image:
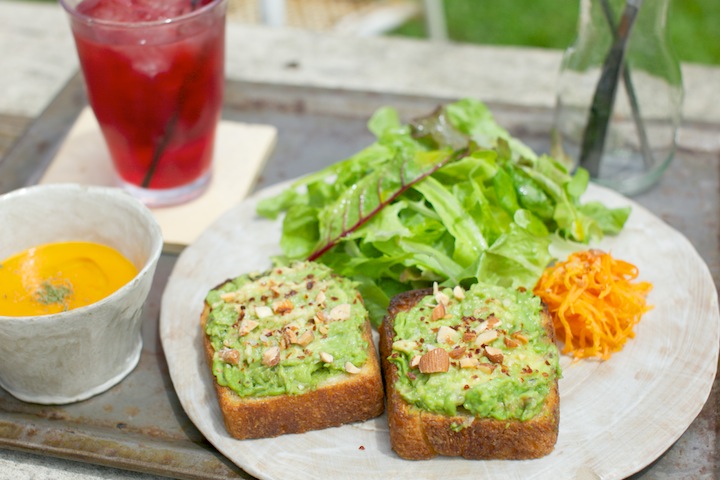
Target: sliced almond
(492,321)
(510,343)
(247,326)
(456,352)
(227,296)
(340,312)
(458,292)
(289,337)
(271,356)
(486,337)
(320,297)
(438,312)
(442,298)
(229,355)
(487,368)
(283,306)
(263,311)
(520,337)
(326,357)
(306,337)
(469,337)
(447,335)
(434,361)
(493,354)
(415,361)
(470,362)
(350,368)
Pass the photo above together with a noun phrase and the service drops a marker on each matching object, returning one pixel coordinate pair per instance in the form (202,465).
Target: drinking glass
(154,74)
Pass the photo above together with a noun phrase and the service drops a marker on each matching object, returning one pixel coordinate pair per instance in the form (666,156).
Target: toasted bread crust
(416,434)
(355,397)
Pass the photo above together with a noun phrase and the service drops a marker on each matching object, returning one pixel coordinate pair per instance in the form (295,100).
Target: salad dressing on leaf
(56,277)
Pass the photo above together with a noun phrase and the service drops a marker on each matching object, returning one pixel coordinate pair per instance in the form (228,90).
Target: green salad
(450,198)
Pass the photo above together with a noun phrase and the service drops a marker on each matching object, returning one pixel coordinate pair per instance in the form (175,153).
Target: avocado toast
(470,373)
(291,350)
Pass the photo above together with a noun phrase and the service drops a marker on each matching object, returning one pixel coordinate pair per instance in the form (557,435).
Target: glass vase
(619,96)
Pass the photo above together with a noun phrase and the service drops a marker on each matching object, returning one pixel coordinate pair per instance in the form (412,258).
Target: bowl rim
(97,191)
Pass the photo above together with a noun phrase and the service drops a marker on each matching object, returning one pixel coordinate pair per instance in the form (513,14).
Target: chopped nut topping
(289,337)
(229,355)
(493,354)
(227,296)
(520,337)
(442,298)
(350,368)
(492,320)
(469,337)
(283,306)
(247,326)
(326,357)
(456,352)
(263,311)
(486,337)
(438,312)
(434,361)
(447,335)
(487,368)
(510,343)
(271,356)
(340,312)
(415,361)
(458,292)
(306,338)
(468,362)
(320,297)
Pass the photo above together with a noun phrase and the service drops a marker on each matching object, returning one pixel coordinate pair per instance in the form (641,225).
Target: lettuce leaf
(451,198)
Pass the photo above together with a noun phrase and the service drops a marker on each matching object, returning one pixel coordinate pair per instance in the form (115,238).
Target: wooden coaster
(240,153)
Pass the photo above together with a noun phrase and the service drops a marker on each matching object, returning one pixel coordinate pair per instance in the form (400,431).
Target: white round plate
(616,417)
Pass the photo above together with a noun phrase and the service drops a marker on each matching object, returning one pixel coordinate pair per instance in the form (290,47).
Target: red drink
(154,72)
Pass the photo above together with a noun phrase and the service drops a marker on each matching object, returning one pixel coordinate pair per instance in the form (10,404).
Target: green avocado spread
(498,361)
(285,331)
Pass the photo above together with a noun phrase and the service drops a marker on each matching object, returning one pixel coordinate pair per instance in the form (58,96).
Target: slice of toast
(418,433)
(345,392)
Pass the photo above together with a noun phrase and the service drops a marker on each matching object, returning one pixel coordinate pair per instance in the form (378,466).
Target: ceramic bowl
(73,355)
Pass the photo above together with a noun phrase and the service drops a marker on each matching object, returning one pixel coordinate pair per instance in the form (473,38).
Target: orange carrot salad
(594,302)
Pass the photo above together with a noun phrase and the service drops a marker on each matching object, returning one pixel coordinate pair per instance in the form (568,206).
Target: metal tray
(139,424)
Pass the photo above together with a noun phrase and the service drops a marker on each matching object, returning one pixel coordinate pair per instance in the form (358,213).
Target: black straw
(604,98)
(630,88)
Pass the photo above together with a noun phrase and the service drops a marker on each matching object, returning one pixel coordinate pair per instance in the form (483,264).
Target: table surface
(319,86)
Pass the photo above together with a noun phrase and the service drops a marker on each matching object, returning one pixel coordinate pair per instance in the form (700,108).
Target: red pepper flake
(362,447)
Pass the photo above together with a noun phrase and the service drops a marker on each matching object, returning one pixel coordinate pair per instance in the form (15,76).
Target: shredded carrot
(594,302)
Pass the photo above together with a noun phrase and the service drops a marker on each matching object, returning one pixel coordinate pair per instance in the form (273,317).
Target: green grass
(694,25)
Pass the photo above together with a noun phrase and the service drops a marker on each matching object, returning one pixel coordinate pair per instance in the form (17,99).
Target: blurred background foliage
(693,25)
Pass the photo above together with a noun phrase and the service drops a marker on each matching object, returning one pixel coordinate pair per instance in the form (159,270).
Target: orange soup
(60,276)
